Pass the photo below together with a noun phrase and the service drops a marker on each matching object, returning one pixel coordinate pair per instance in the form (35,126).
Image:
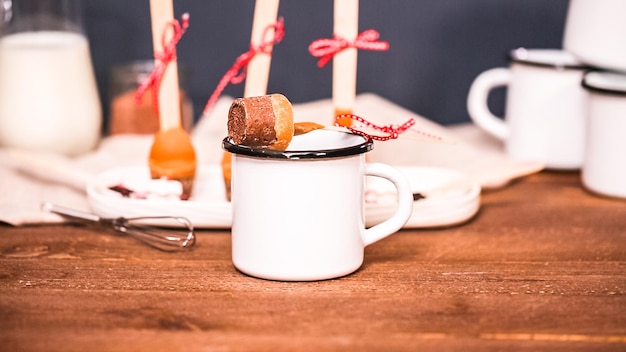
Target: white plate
(450,197)
(452,200)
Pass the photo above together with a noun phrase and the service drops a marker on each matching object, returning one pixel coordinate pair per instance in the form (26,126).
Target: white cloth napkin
(27,179)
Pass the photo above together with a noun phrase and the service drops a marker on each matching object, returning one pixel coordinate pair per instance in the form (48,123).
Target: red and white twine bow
(326,48)
(237,73)
(162,60)
(388,131)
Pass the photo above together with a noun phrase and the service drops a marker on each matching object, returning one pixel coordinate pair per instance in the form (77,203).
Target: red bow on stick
(163,59)
(237,73)
(326,48)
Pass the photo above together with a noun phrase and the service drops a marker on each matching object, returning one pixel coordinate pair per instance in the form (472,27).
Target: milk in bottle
(48,94)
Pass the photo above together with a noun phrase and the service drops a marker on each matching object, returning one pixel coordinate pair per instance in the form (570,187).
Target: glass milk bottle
(48,94)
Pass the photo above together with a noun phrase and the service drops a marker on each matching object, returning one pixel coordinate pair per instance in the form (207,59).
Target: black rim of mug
(514,57)
(603,90)
(364,147)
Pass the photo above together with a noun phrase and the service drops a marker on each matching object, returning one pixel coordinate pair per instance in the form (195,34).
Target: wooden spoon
(172,154)
(258,70)
(345,25)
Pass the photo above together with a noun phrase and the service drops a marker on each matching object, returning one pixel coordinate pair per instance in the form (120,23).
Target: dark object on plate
(417,196)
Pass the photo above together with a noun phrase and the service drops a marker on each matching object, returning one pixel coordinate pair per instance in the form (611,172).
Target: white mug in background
(595,32)
(545,107)
(298,215)
(604,169)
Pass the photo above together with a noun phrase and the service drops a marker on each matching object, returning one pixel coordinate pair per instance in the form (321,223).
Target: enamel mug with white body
(604,170)
(545,107)
(298,215)
(595,32)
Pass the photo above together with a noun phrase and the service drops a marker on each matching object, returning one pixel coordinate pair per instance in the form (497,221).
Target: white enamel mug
(595,32)
(604,169)
(298,215)
(545,107)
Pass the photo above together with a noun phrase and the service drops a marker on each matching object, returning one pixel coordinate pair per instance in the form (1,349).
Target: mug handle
(477,101)
(405,203)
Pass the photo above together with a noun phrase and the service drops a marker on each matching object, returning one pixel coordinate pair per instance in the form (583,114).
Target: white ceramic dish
(450,198)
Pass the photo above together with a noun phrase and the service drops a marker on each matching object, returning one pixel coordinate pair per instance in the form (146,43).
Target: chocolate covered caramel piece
(264,121)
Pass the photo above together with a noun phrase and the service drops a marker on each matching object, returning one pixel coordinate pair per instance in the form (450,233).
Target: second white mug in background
(604,169)
(595,32)
(545,107)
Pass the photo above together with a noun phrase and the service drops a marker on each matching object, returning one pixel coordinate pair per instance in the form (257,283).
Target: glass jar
(128,117)
(48,93)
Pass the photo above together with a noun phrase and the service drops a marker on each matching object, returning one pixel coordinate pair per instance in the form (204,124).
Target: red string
(391,131)
(162,60)
(326,48)
(237,73)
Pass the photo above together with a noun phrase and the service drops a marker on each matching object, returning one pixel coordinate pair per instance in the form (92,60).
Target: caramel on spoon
(172,154)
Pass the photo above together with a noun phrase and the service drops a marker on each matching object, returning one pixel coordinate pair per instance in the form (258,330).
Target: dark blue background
(437,46)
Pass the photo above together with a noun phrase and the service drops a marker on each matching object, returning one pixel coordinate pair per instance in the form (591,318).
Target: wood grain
(542,266)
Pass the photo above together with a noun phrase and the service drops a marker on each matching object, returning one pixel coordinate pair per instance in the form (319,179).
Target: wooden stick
(346,25)
(257,76)
(161,14)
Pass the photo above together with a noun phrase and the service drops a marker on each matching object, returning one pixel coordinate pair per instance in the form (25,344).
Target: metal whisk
(166,239)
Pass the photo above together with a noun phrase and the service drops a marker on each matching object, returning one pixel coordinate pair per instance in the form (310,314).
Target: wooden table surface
(542,266)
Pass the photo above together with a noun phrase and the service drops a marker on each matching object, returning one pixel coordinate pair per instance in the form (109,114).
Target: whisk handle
(69,213)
